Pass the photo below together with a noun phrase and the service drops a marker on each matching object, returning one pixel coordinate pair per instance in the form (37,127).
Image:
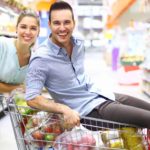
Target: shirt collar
(56,49)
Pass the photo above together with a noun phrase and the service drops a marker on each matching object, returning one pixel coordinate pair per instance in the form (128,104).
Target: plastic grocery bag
(75,140)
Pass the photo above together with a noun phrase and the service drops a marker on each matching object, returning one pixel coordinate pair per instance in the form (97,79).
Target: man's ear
(49,24)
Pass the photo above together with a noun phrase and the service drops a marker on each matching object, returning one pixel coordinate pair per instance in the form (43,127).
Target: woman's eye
(34,28)
(23,27)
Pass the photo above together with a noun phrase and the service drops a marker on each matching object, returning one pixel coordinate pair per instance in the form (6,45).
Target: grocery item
(132,139)
(138,147)
(115,143)
(109,135)
(75,140)
(43,128)
(19,99)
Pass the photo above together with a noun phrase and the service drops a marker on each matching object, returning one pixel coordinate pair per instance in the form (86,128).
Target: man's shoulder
(77,40)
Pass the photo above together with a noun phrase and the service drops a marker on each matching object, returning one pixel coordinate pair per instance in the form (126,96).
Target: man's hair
(61,5)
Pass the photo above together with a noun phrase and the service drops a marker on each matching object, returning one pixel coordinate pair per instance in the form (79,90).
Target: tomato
(57,130)
(38,135)
(47,129)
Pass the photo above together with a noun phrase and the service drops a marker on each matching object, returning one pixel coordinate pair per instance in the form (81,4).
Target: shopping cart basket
(37,130)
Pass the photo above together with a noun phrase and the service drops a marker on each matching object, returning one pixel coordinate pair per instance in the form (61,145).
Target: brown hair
(60,5)
(29,13)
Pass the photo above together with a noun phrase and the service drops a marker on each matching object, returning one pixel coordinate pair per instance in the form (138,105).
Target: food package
(132,138)
(109,135)
(75,140)
(138,147)
(128,131)
(43,128)
(116,143)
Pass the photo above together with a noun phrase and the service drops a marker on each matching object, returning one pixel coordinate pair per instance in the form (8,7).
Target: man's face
(61,25)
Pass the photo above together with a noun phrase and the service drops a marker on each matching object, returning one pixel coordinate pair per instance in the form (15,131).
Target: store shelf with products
(7,25)
(146,64)
(146,87)
(91,22)
(146,77)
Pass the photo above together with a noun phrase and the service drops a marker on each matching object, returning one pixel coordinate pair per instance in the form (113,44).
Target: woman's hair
(60,6)
(28,13)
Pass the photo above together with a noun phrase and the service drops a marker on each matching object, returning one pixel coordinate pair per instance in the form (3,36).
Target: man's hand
(71,117)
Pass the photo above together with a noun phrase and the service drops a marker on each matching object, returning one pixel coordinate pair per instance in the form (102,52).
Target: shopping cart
(37,130)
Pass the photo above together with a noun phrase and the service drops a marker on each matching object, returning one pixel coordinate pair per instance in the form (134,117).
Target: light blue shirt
(10,70)
(64,79)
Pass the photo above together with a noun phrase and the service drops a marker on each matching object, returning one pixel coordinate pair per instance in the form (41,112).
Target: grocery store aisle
(99,72)
(7,137)
(104,77)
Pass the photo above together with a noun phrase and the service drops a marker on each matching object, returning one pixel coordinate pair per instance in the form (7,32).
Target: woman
(15,53)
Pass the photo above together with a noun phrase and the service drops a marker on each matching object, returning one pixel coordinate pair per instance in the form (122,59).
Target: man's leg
(132,101)
(125,109)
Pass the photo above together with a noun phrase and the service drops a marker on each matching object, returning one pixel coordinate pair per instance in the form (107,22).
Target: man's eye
(56,23)
(67,22)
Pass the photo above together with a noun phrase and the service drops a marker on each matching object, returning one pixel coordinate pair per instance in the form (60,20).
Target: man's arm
(5,88)
(71,117)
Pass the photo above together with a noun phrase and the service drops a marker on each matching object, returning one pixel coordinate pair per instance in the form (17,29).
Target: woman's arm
(5,87)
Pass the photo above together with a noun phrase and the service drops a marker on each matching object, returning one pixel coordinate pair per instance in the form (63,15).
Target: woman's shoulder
(6,43)
(6,40)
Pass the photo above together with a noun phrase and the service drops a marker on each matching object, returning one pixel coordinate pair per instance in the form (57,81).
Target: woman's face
(27,30)
(62,26)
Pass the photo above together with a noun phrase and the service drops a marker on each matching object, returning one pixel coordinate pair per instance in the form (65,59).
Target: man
(58,65)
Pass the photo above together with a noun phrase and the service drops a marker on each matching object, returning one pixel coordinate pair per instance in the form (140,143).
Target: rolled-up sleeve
(35,78)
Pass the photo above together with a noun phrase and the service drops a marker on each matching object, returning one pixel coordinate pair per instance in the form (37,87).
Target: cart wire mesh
(38,130)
